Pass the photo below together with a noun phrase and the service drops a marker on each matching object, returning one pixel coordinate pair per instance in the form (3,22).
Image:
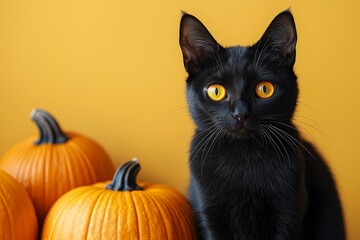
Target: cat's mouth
(242,132)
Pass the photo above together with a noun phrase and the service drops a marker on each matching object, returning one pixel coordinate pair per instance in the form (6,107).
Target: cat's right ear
(196,42)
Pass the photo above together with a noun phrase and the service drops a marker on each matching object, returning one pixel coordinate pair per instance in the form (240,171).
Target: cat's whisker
(297,141)
(318,128)
(198,136)
(308,106)
(292,127)
(209,138)
(166,115)
(203,138)
(190,132)
(309,119)
(279,141)
(262,140)
(219,130)
(272,141)
(185,134)
(263,137)
(204,145)
(176,110)
(315,128)
(292,144)
(288,140)
(277,121)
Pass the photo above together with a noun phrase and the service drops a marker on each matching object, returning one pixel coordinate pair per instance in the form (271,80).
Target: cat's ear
(281,36)
(196,42)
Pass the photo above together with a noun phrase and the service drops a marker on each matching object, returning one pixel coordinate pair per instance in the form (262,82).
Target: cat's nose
(241,117)
(241,110)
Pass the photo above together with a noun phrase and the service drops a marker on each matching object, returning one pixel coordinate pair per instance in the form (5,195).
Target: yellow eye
(216,92)
(264,90)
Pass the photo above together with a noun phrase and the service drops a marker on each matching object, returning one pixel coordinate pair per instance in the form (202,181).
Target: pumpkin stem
(125,177)
(50,131)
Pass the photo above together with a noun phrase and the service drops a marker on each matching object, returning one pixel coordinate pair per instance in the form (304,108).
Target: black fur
(253,178)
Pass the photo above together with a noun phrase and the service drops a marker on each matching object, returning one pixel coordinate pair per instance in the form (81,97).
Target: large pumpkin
(54,163)
(121,210)
(17,213)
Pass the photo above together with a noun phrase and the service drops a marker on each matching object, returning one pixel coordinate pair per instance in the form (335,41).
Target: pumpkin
(121,209)
(17,213)
(54,163)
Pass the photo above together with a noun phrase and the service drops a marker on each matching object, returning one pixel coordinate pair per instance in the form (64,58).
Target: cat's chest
(237,168)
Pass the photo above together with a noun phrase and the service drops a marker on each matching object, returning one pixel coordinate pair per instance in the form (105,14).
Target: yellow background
(113,71)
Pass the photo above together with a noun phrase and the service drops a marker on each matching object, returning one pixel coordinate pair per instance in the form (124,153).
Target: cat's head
(239,88)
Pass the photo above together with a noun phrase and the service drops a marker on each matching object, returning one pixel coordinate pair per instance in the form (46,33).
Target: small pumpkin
(17,213)
(54,163)
(121,209)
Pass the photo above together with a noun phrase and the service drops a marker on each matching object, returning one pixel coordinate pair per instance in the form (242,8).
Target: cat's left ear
(281,36)
(197,44)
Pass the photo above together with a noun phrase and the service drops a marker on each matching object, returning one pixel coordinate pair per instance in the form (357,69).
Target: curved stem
(125,177)
(50,131)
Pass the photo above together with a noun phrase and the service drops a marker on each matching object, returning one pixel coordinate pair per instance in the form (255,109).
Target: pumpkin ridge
(79,168)
(137,214)
(162,215)
(67,170)
(110,196)
(167,206)
(145,206)
(25,222)
(179,211)
(76,201)
(187,213)
(21,167)
(39,197)
(85,160)
(97,152)
(45,172)
(61,170)
(60,209)
(6,209)
(117,218)
(30,170)
(93,213)
(19,154)
(17,210)
(80,199)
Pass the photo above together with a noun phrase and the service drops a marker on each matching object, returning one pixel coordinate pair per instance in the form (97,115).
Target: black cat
(252,175)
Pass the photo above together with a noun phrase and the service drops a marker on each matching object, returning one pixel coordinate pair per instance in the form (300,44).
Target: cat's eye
(264,90)
(216,92)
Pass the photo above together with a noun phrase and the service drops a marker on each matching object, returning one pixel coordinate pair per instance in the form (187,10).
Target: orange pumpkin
(56,162)
(121,209)
(17,213)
